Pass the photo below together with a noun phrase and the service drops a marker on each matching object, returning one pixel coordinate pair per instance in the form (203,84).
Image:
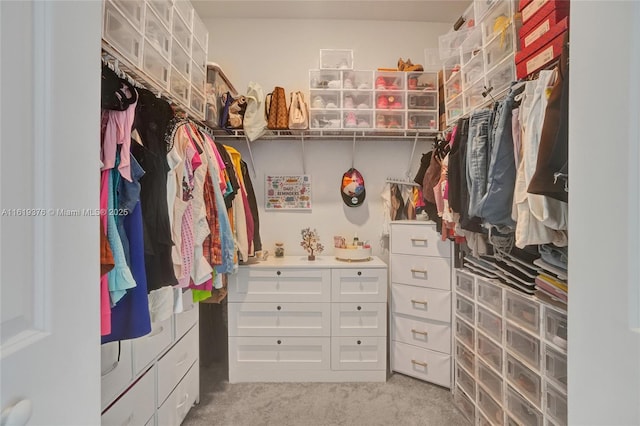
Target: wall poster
(287,192)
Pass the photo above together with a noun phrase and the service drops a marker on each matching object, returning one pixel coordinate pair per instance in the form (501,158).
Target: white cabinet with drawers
(420,306)
(153,380)
(291,319)
(518,343)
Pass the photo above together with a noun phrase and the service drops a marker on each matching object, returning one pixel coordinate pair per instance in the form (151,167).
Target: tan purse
(277,113)
(298,112)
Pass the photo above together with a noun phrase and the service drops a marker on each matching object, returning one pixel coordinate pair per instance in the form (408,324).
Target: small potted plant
(311,243)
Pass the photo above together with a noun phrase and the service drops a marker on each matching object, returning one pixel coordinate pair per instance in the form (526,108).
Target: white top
(321,262)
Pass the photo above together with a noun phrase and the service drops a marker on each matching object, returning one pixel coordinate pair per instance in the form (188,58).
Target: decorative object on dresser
(420,307)
(311,243)
(291,320)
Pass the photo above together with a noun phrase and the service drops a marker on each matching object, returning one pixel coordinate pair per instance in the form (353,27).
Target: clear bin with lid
(499,48)
(325,119)
(489,406)
(464,332)
(156,66)
(465,381)
(324,99)
(490,380)
(465,308)
(179,86)
(357,80)
(121,34)
(490,323)
(497,18)
(464,284)
(490,352)
(325,79)
(465,356)
(164,9)
(527,381)
(523,345)
(465,405)
(556,366)
(490,295)
(336,59)
(523,412)
(501,76)
(422,120)
(525,312)
(131,9)
(555,323)
(185,10)
(556,405)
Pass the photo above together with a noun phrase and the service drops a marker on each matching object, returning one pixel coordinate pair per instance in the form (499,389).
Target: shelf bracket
(413,151)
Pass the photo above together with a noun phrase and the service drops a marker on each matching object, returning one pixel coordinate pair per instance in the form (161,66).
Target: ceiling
(377,10)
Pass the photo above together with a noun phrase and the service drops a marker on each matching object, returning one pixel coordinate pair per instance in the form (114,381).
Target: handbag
(276,110)
(298,112)
(255,122)
(232,116)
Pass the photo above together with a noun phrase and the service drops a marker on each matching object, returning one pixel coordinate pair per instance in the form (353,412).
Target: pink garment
(105,300)
(118,132)
(205,286)
(221,167)
(187,218)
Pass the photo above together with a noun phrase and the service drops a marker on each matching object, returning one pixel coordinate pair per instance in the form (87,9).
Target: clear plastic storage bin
(323,99)
(156,66)
(357,80)
(465,357)
(181,33)
(389,120)
(156,33)
(449,67)
(472,71)
(389,80)
(490,295)
(185,10)
(453,109)
(523,311)
(197,78)
(499,48)
(422,101)
(464,332)
(465,405)
(197,102)
(481,7)
(199,56)
(490,380)
(121,34)
(523,412)
(490,323)
(357,119)
(465,381)
(336,59)
(496,19)
(523,344)
(325,119)
(179,86)
(490,407)
(181,61)
(483,421)
(471,46)
(323,79)
(525,380)
(555,323)
(423,81)
(449,43)
(501,77)
(464,284)
(164,9)
(200,32)
(422,120)
(357,99)
(472,97)
(556,366)
(453,87)
(490,352)
(556,405)
(131,9)
(465,308)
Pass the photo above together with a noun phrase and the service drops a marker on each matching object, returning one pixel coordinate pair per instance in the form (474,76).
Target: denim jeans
(494,207)
(477,157)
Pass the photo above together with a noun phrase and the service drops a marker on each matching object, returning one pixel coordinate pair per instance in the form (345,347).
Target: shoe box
(542,51)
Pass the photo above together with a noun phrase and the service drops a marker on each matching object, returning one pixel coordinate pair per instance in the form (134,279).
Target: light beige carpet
(401,401)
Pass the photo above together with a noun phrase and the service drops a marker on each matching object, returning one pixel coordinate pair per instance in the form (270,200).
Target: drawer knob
(278,273)
(420,363)
(419,302)
(359,273)
(279,307)
(359,308)
(279,342)
(359,342)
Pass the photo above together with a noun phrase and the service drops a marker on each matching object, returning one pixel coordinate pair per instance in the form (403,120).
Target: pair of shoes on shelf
(348,102)
(383,122)
(388,102)
(350,120)
(408,66)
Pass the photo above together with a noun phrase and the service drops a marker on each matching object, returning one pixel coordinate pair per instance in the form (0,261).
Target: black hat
(352,188)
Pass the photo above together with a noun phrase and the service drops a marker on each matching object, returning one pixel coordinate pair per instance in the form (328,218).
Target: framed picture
(287,192)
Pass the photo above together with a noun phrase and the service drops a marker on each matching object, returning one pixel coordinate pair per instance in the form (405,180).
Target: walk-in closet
(319,213)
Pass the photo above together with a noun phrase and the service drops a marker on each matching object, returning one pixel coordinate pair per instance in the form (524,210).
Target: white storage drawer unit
(291,319)
(420,309)
(136,406)
(116,369)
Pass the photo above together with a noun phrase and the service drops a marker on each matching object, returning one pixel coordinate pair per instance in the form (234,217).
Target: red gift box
(530,11)
(542,51)
(530,33)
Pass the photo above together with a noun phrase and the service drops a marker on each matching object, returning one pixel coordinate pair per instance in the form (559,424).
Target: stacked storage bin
(510,359)
(165,42)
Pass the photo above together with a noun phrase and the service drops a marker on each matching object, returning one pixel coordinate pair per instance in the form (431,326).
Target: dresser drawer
(426,334)
(279,319)
(279,353)
(136,406)
(175,408)
(116,369)
(421,302)
(358,353)
(421,363)
(280,285)
(359,319)
(188,317)
(433,272)
(147,348)
(418,239)
(175,363)
(359,285)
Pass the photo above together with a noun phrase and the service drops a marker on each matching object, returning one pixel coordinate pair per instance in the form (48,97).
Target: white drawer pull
(423,240)
(424,333)
(127,422)
(183,360)
(186,398)
(156,332)
(419,302)
(419,271)
(110,369)
(420,363)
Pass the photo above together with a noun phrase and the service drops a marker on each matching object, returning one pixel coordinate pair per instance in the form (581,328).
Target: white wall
(604,351)
(281,52)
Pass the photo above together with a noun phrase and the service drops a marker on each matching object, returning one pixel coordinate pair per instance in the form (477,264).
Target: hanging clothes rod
(405,182)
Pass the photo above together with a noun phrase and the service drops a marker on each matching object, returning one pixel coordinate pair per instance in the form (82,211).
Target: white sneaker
(348,102)
(318,102)
(334,84)
(347,84)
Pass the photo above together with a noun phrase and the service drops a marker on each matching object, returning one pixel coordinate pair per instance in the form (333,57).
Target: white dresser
(325,320)
(420,307)
(153,380)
